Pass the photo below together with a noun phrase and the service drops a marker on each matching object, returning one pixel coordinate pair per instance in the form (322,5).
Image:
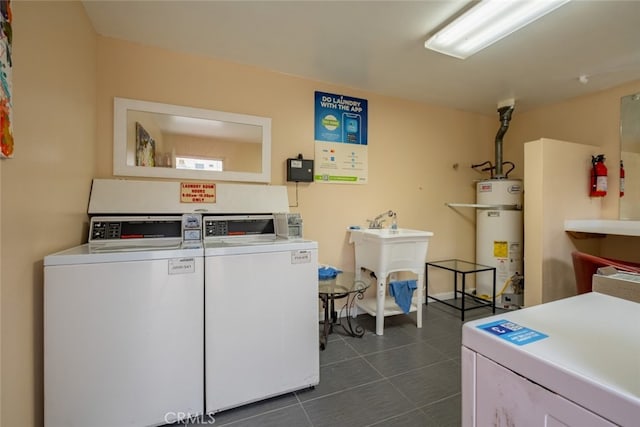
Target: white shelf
(368,305)
(603,226)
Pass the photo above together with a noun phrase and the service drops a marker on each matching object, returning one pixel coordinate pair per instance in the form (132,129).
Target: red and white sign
(195,192)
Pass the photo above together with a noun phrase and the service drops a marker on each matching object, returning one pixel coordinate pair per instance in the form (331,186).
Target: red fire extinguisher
(598,176)
(621,179)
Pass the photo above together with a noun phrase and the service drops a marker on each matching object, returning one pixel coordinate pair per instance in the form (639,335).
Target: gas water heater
(499,232)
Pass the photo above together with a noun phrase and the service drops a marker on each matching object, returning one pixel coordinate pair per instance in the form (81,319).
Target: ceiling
(377,46)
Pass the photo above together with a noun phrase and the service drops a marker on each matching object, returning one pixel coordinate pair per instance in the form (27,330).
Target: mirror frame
(629,109)
(121,168)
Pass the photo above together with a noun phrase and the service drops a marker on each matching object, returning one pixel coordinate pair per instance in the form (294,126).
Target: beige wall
(592,120)
(412,147)
(44,188)
(65,78)
(64,75)
(554,191)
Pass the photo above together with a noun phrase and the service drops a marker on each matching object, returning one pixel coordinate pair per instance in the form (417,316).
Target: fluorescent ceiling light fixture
(486,23)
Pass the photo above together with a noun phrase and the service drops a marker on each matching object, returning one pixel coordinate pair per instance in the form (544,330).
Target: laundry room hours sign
(195,192)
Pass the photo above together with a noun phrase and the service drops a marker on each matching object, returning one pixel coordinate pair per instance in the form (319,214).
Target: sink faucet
(377,221)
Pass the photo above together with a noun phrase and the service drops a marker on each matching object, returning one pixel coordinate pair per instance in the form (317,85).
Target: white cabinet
(255,347)
(503,398)
(571,362)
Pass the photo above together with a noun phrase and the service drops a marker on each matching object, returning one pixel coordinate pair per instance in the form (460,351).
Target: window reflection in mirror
(630,156)
(161,140)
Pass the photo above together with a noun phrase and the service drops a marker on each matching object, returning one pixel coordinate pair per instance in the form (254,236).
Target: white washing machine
(261,311)
(571,362)
(123,324)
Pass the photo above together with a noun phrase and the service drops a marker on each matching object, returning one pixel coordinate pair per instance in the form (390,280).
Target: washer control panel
(106,230)
(238,225)
(187,227)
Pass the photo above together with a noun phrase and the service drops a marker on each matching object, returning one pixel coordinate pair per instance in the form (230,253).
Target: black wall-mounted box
(299,170)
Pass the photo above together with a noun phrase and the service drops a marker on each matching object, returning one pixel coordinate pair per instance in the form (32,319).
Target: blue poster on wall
(340,118)
(341,139)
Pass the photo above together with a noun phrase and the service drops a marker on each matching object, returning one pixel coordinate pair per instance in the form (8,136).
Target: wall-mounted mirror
(630,155)
(169,141)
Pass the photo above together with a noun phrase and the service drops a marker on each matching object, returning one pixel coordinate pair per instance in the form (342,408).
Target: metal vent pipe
(505,112)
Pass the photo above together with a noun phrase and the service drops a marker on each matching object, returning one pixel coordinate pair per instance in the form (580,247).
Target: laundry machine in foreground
(570,362)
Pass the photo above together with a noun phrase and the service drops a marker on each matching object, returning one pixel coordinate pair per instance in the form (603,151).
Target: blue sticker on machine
(512,332)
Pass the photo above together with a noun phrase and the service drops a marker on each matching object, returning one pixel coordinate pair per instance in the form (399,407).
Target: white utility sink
(389,233)
(385,251)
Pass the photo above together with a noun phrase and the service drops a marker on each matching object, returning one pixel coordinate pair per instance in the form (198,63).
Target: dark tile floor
(406,377)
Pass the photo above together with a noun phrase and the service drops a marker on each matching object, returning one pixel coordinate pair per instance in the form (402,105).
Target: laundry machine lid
(257,246)
(135,238)
(585,348)
(129,252)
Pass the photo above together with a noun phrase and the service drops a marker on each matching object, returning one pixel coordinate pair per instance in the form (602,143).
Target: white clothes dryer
(261,311)
(123,324)
(570,362)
